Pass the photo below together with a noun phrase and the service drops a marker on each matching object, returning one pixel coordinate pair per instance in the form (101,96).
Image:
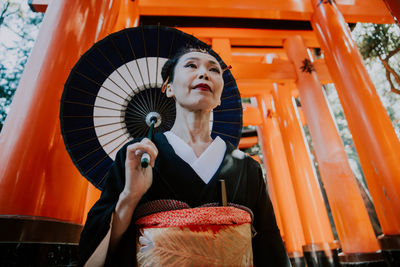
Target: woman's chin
(205,107)
(201,104)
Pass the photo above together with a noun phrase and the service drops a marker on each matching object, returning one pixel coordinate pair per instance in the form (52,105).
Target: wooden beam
(256,50)
(373,11)
(253,78)
(249,58)
(279,70)
(245,54)
(251,37)
(250,88)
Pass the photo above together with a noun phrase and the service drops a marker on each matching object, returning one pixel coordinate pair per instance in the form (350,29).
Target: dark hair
(168,70)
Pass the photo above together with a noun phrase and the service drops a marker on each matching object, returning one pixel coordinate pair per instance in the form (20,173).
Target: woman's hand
(138,179)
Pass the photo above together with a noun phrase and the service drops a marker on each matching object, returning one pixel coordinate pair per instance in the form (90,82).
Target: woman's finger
(136,150)
(153,151)
(150,143)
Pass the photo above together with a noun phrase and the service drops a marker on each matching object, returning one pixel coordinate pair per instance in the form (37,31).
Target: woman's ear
(169,92)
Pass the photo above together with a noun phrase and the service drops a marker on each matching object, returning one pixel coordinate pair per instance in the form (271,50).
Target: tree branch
(3,13)
(392,87)
(390,70)
(392,53)
(17,33)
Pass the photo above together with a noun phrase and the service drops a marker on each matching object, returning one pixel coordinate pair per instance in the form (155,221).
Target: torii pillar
(252,116)
(356,235)
(42,194)
(279,178)
(319,249)
(374,137)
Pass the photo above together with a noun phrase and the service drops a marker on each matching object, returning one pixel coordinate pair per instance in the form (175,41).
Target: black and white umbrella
(115,88)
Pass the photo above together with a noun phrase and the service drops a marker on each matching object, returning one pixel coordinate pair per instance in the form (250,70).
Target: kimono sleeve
(98,221)
(268,247)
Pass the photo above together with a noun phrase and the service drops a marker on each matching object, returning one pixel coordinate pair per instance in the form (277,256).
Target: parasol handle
(145,160)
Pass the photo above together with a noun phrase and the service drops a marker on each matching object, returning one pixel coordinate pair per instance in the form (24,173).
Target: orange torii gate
(265,42)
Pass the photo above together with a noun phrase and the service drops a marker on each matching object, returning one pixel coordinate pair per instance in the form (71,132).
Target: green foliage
(381,41)
(377,40)
(18,30)
(379,44)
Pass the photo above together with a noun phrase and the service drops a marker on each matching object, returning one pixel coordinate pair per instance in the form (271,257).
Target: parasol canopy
(115,88)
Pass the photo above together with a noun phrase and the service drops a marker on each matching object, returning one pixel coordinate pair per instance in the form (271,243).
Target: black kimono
(174,179)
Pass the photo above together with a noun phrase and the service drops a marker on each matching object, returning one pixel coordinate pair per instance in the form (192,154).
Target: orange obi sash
(203,236)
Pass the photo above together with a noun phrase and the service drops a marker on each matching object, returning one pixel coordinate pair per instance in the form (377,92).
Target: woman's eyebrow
(191,58)
(213,62)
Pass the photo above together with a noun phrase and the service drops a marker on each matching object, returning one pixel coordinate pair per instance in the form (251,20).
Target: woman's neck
(193,127)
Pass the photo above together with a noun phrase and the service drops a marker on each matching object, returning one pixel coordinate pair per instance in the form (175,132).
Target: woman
(186,164)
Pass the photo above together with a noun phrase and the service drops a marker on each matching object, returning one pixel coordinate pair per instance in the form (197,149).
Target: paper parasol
(114,87)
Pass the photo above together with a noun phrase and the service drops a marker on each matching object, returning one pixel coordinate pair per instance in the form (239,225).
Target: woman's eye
(190,65)
(215,70)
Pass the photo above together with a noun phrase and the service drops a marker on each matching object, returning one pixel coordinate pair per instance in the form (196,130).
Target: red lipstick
(203,87)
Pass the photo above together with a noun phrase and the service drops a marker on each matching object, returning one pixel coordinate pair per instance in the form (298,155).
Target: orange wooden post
(274,200)
(252,116)
(375,140)
(128,15)
(317,231)
(354,229)
(223,47)
(37,177)
(93,194)
(279,178)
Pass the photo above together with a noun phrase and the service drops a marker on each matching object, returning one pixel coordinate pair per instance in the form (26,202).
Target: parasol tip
(153,117)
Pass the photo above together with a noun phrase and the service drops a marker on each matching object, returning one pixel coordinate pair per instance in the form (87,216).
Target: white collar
(209,161)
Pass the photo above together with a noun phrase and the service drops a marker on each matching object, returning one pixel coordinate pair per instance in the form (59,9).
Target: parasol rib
(229,122)
(100,85)
(115,69)
(130,73)
(227,109)
(166,105)
(89,93)
(226,97)
(91,152)
(91,127)
(89,105)
(117,147)
(96,137)
(137,64)
(134,56)
(158,98)
(76,88)
(147,65)
(99,161)
(105,75)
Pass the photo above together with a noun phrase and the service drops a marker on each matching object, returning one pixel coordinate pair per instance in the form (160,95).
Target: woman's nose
(203,73)
(203,76)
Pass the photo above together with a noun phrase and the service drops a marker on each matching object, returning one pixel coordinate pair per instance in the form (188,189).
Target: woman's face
(197,83)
